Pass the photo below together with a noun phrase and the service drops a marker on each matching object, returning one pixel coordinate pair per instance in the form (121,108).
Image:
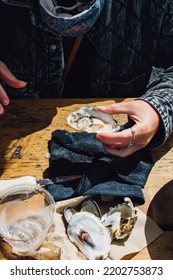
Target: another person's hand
(130,140)
(9,79)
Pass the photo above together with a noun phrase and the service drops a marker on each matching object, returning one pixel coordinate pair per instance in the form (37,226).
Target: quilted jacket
(130,37)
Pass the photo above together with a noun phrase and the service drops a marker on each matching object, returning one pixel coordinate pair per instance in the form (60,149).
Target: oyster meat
(120,220)
(91,120)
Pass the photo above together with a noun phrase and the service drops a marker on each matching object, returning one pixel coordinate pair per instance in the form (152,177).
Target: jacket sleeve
(159,93)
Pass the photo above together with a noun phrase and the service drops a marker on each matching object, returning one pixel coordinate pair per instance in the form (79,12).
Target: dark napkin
(81,153)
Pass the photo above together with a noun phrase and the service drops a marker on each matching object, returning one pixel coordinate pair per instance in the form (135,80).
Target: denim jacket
(129,38)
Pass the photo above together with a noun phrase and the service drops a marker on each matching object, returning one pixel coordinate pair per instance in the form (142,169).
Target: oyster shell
(89,205)
(93,233)
(120,220)
(91,120)
(86,231)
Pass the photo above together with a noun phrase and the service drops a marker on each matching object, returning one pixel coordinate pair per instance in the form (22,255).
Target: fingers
(118,139)
(122,143)
(121,152)
(4,100)
(128,141)
(7,76)
(118,108)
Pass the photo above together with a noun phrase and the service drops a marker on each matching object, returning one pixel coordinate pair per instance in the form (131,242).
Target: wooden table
(29,124)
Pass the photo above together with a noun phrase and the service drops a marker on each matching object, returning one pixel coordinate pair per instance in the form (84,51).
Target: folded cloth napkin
(81,153)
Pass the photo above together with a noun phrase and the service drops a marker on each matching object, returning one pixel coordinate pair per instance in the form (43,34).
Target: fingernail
(1,110)
(101,107)
(99,137)
(23,84)
(5,101)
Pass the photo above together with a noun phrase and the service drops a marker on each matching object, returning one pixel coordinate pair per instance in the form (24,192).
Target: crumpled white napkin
(24,180)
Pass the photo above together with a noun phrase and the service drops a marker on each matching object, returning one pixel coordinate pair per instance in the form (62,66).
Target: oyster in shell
(120,220)
(86,231)
(91,120)
(92,233)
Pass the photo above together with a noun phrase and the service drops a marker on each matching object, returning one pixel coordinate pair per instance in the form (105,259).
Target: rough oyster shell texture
(93,233)
(92,120)
(120,219)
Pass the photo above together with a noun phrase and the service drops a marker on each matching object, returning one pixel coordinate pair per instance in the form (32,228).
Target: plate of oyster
(93,233)
(92,120)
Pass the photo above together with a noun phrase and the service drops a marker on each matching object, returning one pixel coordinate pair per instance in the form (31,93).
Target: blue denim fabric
(20,3)
(82,153)
(31,50)
(125,38)
(128,39)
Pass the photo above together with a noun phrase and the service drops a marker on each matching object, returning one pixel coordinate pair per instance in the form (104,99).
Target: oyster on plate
(93,233)
(85,230)
(92,120)
(120,220)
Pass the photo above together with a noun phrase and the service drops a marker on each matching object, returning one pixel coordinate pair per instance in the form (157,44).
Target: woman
(117,53)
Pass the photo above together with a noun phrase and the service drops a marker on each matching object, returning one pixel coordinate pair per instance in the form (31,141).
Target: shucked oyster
(120,219)
(86,231)
(92,120)
(93,234)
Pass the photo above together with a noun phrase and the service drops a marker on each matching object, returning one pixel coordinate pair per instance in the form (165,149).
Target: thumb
(7,76)
(118,108)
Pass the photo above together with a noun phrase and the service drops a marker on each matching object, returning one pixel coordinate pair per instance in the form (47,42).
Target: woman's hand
(130,140)
(9,79)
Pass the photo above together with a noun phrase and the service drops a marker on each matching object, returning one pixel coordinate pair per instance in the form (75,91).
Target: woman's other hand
(7,76)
